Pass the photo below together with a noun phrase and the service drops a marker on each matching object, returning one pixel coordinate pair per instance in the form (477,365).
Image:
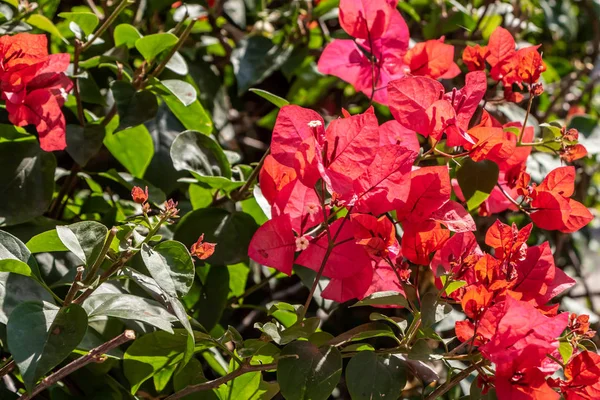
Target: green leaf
(213,298)
(249,386)
(255,58)
(454,286)
(134,107)
(383,299)
(46,242)
(133,148)
(477,180)
(41,335)
(152,45)
(183,91)
(192,374)
(194,151)
(84,239)
(14,27)
(16,257)
(41,22)
(432,310)
(83,143)
(193,117)
(151,353)
(231,232)
(385,377)
(177,64)
(566,351)
(421,351)
(171,266)
(126,35)
(129,307)
(15,266)
(308,372)
(26,182)
(85,20)
(276,100)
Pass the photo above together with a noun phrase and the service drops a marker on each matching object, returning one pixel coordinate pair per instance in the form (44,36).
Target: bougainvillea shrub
(335,199)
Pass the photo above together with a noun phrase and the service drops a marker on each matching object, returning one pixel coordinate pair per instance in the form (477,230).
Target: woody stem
(441,390)
(316,281)
(108,22)
(526,118)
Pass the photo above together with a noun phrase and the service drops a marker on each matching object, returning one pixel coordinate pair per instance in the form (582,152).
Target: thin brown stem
(160,67)
(75,286)
(215,383)
(76,91)
(526,118)
(239,194)
(93,356)
(253,288)
(94,268)
(316,281)
(7,368)
(108,22)
(441,390)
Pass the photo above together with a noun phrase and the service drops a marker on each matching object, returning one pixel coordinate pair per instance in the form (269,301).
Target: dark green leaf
(171,266)
(276,100)
(255,58)
(194,151)
(134,107)
(16,289)
(383,299)
(14,27)
(84,143)
(41,335)
(129,307)
(193,374)
(133,148)
(432,310)
(477,180)
(309,372)
(152,45)
(231,232)
(84,239)
(213,297)
(26,182)
(16,257)
(385,377)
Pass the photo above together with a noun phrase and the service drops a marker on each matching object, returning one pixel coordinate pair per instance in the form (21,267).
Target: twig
(253,288)
(526,118)
(75,286)
(160,67)
(7,368)
(441,390)
(244,368)
(76,92)
(108,22)
(94,268)
(94,8)
(92,356)
(238,195)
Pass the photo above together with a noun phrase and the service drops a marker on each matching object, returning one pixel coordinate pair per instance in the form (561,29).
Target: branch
(93,356)
(240,193)
(108,22)
(441,390)
(244,368)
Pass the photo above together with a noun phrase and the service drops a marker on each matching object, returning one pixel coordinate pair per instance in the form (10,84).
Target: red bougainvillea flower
(367,19)
(349,59)
(377,235)
(202,249)
(508,65)
(34,86)
(419,104)
(139,195)
(432,58)
(474,57)
(582,377)
(274,244)
(379,54)
(554,209)
(427,207)
(273,177)
(519,379)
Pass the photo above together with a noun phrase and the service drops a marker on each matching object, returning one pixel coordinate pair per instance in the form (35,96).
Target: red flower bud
(139,196)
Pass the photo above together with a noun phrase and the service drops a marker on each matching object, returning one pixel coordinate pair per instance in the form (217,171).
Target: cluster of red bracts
(34,86)
(348,201)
